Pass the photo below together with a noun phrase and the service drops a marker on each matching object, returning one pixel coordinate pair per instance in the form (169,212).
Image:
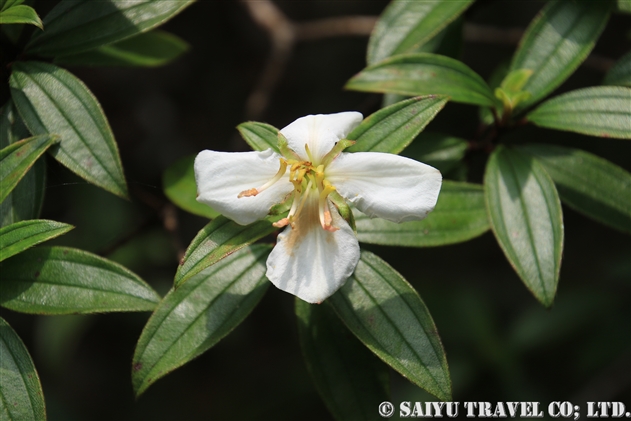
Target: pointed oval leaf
(556,43)
(603,111)
(18,158)
(193,318)
(21,396)
(259,136)
(386,313)
(439,150)
(460,215)
(178,182)
(217,240)
(20,236)
(587,183)
(526,218)
(350,379)
(151,49)
(51,100)
(424,74)
(25,201)
(406,25)
(75,26)
(393,128)
(20,14)
(61,280)
(620,73)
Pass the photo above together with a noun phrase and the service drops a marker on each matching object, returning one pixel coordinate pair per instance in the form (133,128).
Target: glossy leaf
(151,49)
(259,136)
(193,318)
(385,312)
(406,25)
(588,183)
(220,238)
(526,217)
(178,182)
(460,215)
(20,236)
(556,43)
(21,396)
(75,26)
(392,128)
(424,74)
(25,201)
(17,158)
(620,73)
(350,380)
(51,100)
(439,150)
(20,14)
(60,280)
(602,111)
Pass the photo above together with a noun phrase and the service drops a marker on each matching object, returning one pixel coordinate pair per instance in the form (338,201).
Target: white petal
(320,132)
(221,176)
(308,261)
(389,186)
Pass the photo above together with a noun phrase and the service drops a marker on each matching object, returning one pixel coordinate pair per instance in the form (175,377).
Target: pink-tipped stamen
(278,176)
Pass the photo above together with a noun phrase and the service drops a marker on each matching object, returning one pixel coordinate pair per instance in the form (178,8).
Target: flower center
(307,179)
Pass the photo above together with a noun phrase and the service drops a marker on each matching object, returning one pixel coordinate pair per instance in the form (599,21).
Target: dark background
(501,344)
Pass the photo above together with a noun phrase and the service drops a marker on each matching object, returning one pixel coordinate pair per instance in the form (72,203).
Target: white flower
(318,250)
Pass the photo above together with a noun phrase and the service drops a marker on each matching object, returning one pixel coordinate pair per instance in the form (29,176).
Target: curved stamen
(323,208)
(295,211)
(278,176)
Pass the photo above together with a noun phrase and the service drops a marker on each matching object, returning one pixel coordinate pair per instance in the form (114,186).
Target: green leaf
(26,199)
(193,318)
(556,43)
(51,100)
(351,381)
(6,4)
(495,79)
(620,73)
(60,280)
(20,236)
(385,312)
(460,215)
(220,238)
(424,74)
(12,128)
(406,25)
(151,49)
(259,136)
(178,182)
(526,217)
(392,128)
(439,150)
(20,14)
(21,396)
(75,26)
(602,111)
(587,183)
(17,158)
(624,6)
